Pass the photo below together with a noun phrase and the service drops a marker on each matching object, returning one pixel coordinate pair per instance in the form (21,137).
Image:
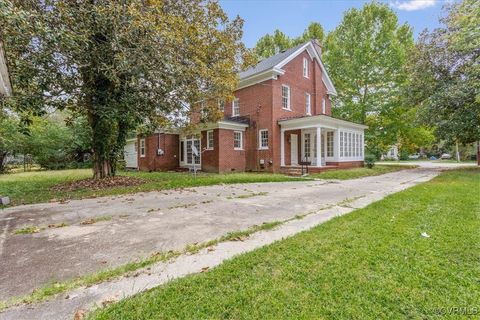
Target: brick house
(280,118)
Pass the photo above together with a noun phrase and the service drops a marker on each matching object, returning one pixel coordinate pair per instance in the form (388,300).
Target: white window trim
(260,146)
(210,147)
(233,108)
(305,68)
(324,106)
(241,140)
(308,102)
(288,98)
(144,148)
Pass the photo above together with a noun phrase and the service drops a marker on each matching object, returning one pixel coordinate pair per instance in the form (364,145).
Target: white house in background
(392,154)
(5,87)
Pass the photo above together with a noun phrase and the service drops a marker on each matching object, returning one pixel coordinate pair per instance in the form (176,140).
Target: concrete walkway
(162,221)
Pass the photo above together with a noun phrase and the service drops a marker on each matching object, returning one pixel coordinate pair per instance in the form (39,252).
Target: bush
(370,160)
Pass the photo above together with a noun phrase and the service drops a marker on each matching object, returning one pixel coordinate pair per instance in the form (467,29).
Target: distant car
(433,158)
(414,156)
(446,156)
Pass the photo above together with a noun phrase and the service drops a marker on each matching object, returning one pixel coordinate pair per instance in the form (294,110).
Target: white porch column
(319,147)
(336,145)
(282,147)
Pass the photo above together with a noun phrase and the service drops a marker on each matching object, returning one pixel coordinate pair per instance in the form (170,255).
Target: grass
(28,230)
(34,187)
(370,264)
(96,219)
(355,173)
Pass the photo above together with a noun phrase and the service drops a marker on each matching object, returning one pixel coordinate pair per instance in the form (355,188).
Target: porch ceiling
(321,120)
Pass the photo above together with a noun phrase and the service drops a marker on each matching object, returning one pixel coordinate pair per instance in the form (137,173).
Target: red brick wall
(153,162)
(230,159)
(288,153)
(294,78)
(210,158)
(223,157)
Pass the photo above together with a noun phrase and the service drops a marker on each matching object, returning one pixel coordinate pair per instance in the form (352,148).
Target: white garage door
(130,152)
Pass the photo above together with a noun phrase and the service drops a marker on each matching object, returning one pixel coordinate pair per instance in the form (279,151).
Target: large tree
(445,75)
(270,44)
(366,57)
(119,63)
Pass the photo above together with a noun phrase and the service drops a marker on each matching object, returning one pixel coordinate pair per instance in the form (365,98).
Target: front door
(294,149)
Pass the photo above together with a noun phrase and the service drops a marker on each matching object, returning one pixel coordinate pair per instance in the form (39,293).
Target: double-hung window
(142,148)
(263,139)
(237,140)
(235,107)
(285,97)
(342,144)
(305,67)
(210,140)
(308,106)
(330,144)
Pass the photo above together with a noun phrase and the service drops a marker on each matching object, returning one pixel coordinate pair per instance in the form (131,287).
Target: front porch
(322,142)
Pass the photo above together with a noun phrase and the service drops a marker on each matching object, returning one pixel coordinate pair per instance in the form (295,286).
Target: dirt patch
(98,184)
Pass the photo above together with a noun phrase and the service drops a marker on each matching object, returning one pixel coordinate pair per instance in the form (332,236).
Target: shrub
(370,160)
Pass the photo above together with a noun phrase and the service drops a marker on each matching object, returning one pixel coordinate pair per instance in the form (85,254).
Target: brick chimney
(318,46)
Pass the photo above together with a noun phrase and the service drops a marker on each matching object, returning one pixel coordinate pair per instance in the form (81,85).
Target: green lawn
(33,187)
(370,264)
(355,173)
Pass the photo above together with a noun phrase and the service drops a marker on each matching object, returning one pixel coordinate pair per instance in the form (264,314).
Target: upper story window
(142,148)
(237,140)
(263,139)
(235,107)
(285,97)
(308,106)
(305,67)
(324,106)
(210,140)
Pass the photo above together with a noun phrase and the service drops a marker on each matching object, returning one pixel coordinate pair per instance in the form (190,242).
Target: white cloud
(412,5)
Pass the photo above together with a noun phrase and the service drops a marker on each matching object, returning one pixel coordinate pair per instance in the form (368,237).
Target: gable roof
(269,62)
(270,67)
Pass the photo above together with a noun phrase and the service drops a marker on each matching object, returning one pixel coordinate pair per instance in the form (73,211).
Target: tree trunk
(478,153)
(102,168)
(457,153)
(3,161)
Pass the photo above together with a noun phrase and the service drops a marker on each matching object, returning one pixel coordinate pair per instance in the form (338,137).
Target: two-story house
(280,117)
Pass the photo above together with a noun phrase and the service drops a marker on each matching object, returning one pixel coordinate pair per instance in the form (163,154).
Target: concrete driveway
(145,223)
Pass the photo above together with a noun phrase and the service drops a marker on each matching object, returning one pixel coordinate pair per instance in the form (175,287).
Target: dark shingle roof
(269,62)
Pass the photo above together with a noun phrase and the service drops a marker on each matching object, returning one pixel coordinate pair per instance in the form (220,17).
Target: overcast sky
(264,16)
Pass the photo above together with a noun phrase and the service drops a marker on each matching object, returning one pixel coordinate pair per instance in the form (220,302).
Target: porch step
(294,171)
(297,171)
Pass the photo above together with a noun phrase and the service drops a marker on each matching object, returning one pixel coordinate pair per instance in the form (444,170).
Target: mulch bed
(98,184)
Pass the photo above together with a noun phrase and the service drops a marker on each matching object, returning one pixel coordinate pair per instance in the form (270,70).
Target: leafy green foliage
(366,57)
(370,160)
(9,139)
(119,63)
(268,45)
(445,75)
